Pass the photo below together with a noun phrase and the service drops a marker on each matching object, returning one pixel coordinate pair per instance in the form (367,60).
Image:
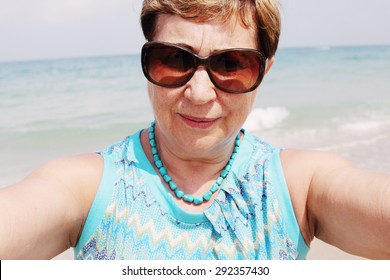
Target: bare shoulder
(81,173)
(47,209)
(338,202)
(300,168)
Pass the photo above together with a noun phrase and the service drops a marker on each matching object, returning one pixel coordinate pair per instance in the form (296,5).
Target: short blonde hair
(265,14)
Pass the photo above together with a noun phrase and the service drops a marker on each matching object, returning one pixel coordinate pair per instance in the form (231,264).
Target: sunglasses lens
(233,71)
(236,71)
(168,66)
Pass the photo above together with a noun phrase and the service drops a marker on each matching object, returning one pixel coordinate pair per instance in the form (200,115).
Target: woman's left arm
(339,203)
(349,207)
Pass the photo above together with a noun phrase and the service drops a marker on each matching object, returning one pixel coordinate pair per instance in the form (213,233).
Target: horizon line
(86,56)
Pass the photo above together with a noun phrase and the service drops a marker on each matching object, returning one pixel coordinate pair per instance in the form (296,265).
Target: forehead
(204,35)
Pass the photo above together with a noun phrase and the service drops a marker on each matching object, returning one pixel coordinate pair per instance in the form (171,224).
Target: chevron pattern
(244,222)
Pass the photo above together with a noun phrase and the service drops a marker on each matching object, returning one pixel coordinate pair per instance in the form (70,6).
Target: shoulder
(73,169)
(72,181)
(125,149)
(254,150)
(46,210)
(306,174)
(257,143)
(339,202)
(79,176)
(307,168)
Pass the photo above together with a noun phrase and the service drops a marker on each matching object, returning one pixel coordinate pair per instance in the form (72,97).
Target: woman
(194,185)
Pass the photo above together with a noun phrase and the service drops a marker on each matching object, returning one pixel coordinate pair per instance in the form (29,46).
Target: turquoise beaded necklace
(178,192)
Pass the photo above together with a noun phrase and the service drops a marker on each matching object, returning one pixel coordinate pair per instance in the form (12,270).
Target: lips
(196,122)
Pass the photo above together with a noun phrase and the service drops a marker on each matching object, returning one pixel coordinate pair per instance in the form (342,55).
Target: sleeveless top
(133,215)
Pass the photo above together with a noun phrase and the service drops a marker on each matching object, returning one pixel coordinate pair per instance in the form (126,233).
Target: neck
(192,173)
(206,166)
(203,161)
(193,177)
(215,156)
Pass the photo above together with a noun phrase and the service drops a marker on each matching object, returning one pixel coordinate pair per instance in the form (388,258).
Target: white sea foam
(364,126)
(265,118)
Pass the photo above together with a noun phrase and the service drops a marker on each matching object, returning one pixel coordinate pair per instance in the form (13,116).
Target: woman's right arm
(43,215)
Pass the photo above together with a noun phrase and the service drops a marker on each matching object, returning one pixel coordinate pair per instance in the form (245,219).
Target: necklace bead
(172,185)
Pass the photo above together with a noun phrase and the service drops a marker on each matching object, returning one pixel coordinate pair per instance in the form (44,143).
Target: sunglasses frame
(202,61)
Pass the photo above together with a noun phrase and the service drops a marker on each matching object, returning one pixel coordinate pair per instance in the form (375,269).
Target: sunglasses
(232,70)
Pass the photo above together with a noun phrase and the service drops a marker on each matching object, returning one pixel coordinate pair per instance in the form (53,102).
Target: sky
(42,29)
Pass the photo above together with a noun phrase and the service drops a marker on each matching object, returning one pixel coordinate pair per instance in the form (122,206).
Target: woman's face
(198,118)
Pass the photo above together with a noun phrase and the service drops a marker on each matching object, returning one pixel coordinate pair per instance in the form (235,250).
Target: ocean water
(334,99)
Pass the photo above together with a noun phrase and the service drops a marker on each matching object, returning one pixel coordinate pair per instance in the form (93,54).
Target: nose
(200,90)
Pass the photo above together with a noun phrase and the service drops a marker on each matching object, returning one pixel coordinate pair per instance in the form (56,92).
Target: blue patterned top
(134,216)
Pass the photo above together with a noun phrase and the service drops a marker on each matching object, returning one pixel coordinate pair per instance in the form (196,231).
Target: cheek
(154,100)
(150,92)
(241,106)
(162,101)
(155,97)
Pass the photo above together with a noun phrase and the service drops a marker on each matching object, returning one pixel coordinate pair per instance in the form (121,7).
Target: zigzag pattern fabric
(244,222)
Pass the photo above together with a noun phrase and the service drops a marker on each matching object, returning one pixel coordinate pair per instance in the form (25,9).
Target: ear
(269,63)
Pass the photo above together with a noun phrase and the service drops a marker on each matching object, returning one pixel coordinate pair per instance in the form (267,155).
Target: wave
(265,118)
(355,142)
(365,126)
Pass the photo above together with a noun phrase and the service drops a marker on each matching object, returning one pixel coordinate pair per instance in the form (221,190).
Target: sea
(334,99)
(325,98)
